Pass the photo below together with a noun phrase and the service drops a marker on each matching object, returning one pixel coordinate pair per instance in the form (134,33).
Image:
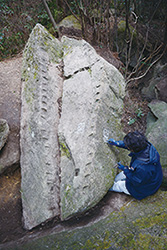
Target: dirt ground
(10,207)
(10,197)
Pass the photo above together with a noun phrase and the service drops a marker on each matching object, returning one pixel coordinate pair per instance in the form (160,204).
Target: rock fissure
(114,91)
(88,68)
(76,72)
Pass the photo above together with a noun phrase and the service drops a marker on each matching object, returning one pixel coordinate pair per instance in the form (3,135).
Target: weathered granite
(92,103)
(41,91)
(92,106)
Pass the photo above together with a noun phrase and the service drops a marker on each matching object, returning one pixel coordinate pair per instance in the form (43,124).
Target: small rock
(4,132)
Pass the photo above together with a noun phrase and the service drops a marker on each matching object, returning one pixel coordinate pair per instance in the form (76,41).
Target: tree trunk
(50,15)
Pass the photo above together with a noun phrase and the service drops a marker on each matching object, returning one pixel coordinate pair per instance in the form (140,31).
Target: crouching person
(144,175)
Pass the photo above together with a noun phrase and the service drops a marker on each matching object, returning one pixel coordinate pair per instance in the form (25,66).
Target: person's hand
(112,142)
(121,167)
(119,144)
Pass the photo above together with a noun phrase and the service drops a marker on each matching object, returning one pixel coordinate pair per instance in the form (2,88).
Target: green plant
(17,20)
(131,121)
(138,114)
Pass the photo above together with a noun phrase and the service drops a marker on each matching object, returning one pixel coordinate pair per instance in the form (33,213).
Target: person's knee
(120,176)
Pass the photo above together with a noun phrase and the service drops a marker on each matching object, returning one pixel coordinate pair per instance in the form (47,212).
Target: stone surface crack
(113,90)
(81,70)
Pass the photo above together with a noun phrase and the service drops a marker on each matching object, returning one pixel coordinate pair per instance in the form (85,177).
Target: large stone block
(41,90)
(67,166)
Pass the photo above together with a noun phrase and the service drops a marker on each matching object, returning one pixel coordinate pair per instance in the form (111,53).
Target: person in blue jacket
(144,175)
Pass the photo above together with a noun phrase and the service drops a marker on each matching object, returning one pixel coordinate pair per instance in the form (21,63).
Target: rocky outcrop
(70,175)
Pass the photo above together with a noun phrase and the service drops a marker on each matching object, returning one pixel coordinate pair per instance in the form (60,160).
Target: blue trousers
(119,184)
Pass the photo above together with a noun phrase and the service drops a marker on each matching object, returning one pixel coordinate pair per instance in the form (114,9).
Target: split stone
(66,164)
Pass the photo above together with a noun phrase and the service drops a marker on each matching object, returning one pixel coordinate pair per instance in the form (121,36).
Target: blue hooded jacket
(144,176)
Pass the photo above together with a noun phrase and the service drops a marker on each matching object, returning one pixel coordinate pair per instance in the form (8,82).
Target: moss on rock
(64,150)
(70,21)
(138,225)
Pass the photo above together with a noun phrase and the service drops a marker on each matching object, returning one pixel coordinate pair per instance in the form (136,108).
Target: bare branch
(71,10)
(140,57)
(141,76)
(136,17)
(145,60)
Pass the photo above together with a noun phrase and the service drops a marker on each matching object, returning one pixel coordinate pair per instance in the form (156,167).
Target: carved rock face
(67,114)
(39,122)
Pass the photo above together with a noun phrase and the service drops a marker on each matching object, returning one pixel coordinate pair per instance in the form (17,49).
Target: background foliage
(17,19)
(135,29)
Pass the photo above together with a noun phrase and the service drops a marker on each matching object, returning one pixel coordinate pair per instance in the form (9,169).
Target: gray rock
(70,26)
(155,83)
(41,90)
(70,21)
(161,90)
(157,129)
(10,79)
(4,132)
(92,106)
